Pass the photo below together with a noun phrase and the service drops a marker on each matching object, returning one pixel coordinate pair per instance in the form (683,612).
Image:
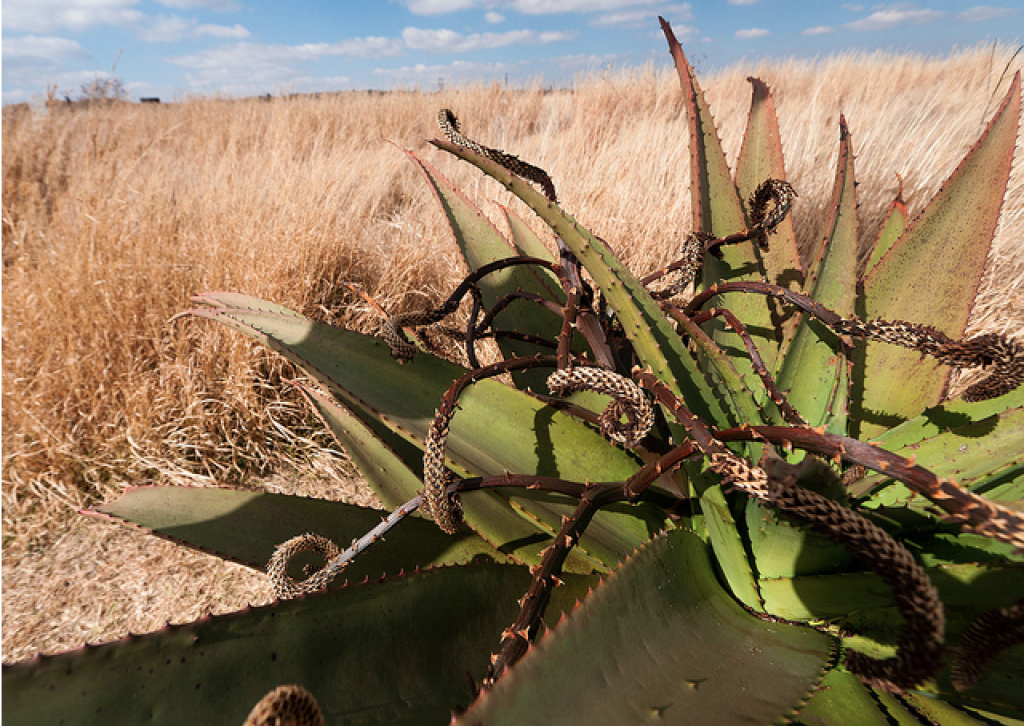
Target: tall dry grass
(114,215)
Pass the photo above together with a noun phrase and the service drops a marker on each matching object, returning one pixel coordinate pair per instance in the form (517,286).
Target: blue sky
(176,48)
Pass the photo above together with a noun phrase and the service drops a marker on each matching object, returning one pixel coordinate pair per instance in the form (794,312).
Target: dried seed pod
(286,706)
(449,126)
(769,205)
(284,586)
(629,401)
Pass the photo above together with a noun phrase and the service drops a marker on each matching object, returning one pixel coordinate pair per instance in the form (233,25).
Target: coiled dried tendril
(769,205)
(628,400)
(992,632)
(444,508)
(1003,357)
(450,128)
(286,706)
(920,646)
(285,587)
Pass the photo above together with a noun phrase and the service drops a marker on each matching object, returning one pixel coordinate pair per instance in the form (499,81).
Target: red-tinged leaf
(717,210)
(893,227)
(525,240)
(814,371)
(716,205)
(842,699)
(761,158)
(931,274)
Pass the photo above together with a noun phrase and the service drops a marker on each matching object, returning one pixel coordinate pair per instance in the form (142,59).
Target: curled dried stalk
(769,205)
(392,331)
(439,498)
(991,633)
(444,508)
(1003,357)
(971,511)
(286,706)
(449,126)
(921,642)
(286,588)
(920,647)
(627,400)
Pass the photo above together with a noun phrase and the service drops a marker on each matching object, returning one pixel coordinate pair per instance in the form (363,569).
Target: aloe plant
(751,504)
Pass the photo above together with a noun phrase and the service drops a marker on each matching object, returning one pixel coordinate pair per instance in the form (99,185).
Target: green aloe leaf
(940,712)
(342,645)
(893,227)
(526,241)
(717,210)
(390,464)
(897,712)
(820,597)
(498,429)
(841,699)
(944,250)
(946,417)
(245,527)
(660,640)
(397,481)
(814,371)
(782,549)
(481,243)
(761,158)
(976,451)
(729,548)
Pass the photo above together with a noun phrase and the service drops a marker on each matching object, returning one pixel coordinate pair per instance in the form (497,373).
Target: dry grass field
(114,215)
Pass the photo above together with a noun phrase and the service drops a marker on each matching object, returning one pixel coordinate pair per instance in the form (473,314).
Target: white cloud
(449,41)
(47,16)
(818,30)
(258,67)
(639,17)
(541,7)
(438,7)
(450,73)
(164,29)
(373,46)
(32,63)
(217,6)
(34,49)
(235,32)
(894,16)
(744,2)
(173,28)
(584,61)
(547,7)
(980,13)
(747,33)
(494,18)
